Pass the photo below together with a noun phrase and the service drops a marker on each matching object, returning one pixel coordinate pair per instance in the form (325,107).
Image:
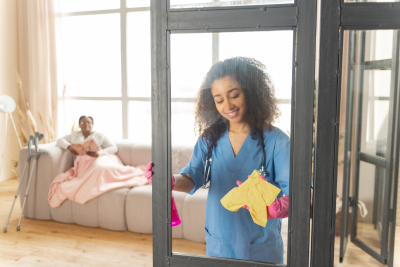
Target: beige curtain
(37,62)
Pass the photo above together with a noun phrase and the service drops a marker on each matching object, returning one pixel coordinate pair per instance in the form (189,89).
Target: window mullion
(124,77)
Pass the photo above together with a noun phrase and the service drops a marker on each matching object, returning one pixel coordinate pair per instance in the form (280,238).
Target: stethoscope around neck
(207,165)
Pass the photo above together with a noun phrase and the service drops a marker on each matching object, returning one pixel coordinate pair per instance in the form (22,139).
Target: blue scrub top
(234,234)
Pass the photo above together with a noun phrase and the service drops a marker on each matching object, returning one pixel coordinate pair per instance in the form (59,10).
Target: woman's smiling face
(229,99)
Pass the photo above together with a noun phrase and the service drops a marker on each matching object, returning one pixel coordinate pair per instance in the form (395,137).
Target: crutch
(37,154)
(30,155)
(32,140)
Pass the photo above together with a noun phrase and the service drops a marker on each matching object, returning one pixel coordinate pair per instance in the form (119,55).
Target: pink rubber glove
(149,175)
(149,172)
(279,209)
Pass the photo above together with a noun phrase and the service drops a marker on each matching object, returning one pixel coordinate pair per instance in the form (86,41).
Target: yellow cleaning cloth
(256,193)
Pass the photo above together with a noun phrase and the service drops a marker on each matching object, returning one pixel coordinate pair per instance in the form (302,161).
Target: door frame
(338,16)
(301,18)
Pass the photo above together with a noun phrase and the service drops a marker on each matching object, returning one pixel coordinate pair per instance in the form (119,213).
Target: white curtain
(37,62)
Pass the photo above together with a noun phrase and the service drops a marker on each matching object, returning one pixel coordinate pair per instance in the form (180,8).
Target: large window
(105,66)
(104,62)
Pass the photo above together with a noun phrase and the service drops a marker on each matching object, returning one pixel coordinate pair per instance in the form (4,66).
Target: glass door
(369,159)
(269,52)
(264,51)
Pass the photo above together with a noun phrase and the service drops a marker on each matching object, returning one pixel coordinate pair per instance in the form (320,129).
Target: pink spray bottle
(175,220)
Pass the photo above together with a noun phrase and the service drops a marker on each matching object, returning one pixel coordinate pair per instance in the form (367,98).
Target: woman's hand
(149,175)
(73,151)
(149,172)
(278,209)
(92,154)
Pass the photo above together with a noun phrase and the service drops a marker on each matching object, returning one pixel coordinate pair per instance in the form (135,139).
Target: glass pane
(183,112)
(370,216)
(140,121)
(283,122)
(216,3)
(107,116)
(273,49)
(367,81)
(192,57)
(87,69)
(138,54)
(375,112)
(137,3)
(88,5)
(378,45)
(218,83)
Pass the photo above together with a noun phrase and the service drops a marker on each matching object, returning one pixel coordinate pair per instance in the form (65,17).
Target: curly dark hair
(259,92)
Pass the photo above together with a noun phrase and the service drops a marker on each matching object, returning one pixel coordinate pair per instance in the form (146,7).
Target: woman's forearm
(64,142)
(183,183)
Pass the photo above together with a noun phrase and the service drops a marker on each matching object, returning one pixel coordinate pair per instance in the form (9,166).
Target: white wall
(8,85)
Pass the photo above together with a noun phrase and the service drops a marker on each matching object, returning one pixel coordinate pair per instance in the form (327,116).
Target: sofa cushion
(111,209)
(124,151)
(139,210)
(194,211)
(63,213)
(140,154)
(86,214)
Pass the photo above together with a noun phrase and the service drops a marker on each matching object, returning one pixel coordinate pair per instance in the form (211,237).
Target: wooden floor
(49,243)
(354,256)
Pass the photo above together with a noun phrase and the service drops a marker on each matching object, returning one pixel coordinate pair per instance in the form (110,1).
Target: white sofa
(125,209)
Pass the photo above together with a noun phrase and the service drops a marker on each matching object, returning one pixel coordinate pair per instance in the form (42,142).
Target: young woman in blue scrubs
(236,107)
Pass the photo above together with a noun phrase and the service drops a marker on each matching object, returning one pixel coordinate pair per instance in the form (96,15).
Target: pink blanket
(91,177)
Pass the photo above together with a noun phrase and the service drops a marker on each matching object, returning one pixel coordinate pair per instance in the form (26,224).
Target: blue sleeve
(195,167)
(282,161)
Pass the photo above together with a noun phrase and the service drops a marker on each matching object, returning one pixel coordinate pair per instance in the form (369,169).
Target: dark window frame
(338,16)
(301,18)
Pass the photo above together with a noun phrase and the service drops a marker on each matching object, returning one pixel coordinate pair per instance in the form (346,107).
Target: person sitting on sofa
(94,172)
(85,134)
